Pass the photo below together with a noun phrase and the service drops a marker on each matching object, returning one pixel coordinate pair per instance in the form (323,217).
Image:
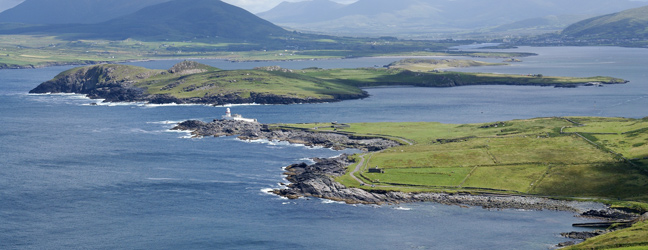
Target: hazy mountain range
(388,17)
(174,20)
(8,4)
(72,11)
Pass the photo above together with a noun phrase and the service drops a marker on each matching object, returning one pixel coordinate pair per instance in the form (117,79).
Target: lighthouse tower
(236,117)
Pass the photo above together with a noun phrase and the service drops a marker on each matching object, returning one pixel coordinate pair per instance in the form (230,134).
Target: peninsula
(192,82)
(552,163)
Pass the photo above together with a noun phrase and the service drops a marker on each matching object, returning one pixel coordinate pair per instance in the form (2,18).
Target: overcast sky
(256,6)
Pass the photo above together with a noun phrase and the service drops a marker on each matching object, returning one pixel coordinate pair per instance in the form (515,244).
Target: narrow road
(358,168)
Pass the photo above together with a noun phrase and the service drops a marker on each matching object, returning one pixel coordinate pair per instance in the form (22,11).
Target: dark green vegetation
(191,82)
(629,24)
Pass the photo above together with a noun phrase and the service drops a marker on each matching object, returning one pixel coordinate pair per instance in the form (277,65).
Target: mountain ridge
(385,17)
(628,24)
(171,20)
(72,11)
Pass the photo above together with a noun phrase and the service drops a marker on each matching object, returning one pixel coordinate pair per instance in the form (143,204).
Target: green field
(526,157)
(520,157)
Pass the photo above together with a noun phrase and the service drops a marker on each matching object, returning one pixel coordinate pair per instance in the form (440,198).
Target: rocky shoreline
(318,179)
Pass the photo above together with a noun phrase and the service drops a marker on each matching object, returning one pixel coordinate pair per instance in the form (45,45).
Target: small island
(195,83)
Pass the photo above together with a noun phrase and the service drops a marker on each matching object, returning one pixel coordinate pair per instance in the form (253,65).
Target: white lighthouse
(236,117)
(228,113)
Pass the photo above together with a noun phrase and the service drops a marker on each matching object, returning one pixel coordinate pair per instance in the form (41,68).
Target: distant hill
(174,20)
(627,24)
(8,4)
(308,11)
(388,17)
(549,23)
(72,11)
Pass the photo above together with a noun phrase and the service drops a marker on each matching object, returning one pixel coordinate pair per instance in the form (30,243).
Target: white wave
(308,161)
(116,104)
(59,94)
(402,208)
(238,105)
(326,201)
(165,122)
(149,105)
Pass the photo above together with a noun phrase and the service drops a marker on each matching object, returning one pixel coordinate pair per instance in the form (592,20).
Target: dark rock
(566,244)
(584,235)
(610,214)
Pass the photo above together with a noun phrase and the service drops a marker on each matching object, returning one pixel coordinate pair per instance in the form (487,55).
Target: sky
(256,6)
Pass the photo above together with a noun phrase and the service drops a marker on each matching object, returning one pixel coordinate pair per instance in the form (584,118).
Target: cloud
(256,6)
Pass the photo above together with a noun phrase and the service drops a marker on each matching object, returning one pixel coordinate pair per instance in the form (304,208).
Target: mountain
(410,17)
(308,11)
(174,20)
(548,23)
(8,4)
(72,11)
(629,24)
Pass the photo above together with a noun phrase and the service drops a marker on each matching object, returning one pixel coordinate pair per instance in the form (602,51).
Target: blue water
(75,176)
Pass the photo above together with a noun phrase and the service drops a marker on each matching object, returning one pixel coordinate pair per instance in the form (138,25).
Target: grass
(633,238)
(518,178)
(626,136)
(529,157)
(519,156)
(434,64)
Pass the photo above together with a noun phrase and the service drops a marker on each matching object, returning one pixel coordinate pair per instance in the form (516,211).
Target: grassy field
(520,156)
(625,136)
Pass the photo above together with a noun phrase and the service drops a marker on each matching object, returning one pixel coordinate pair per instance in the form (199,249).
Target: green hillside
(629,24)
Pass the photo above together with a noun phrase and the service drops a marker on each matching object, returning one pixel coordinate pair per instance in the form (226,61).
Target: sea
(114,176)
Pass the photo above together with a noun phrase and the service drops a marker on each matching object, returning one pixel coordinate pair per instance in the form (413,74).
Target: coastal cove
(122,176)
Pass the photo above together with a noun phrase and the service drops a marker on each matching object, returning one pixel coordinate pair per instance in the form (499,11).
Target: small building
(236,117)
(376,170)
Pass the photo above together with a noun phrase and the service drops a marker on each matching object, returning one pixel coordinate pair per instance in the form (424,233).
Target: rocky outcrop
(584,235)
(100,81)
(257,131)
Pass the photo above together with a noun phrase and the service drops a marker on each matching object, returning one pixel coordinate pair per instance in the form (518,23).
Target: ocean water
(75,176)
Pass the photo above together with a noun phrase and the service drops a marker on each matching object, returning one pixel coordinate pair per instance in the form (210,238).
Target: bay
(113,176)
